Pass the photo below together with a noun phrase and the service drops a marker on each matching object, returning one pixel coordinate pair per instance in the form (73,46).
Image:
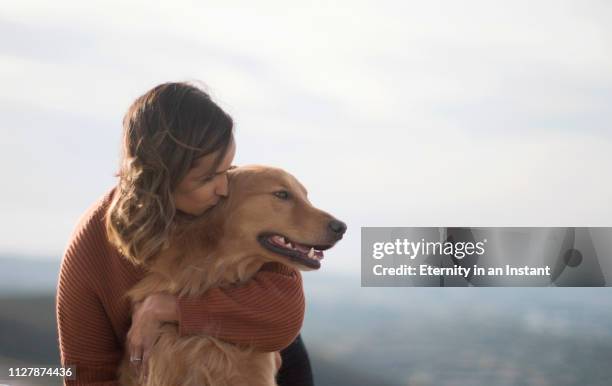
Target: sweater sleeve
(86,337)
(266,312)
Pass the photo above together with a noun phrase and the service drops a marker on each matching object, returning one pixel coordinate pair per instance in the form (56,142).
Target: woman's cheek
(203,193)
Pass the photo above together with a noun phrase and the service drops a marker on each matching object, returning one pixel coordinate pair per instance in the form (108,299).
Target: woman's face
(200,190)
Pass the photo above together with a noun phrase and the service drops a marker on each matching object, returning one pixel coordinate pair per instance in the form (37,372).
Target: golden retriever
(266,218)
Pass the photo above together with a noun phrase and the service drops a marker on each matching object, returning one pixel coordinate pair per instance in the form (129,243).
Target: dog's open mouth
(308,255)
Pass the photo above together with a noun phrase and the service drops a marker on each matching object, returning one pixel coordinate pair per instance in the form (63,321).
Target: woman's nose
(221,188)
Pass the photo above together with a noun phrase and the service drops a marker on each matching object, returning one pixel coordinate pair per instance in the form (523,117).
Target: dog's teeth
(285,242)
(311,253)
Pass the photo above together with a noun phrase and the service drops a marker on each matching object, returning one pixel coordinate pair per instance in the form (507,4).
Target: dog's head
(268,214)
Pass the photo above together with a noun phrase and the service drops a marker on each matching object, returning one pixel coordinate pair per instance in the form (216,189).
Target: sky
(407,113)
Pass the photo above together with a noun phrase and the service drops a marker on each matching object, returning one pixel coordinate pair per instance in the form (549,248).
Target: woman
(177,146)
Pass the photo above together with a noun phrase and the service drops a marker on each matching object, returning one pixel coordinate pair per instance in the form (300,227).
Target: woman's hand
(147,318)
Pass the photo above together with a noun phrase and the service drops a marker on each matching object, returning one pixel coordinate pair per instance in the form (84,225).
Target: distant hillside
(394,336)
(331,373)
(21,275)
(28,336)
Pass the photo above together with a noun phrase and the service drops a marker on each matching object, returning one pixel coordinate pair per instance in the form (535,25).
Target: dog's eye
(282,194)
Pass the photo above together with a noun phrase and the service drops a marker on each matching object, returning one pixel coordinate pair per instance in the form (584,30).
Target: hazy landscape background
(387,336)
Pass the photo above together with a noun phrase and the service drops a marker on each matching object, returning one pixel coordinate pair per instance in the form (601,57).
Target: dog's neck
(201,255)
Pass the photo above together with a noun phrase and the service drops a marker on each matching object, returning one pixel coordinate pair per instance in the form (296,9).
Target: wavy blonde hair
(165,131)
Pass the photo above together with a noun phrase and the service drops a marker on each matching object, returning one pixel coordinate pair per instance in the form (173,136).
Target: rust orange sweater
(93,318)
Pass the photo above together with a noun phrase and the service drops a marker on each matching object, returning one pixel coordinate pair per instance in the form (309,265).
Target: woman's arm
(86,337)
(266,312)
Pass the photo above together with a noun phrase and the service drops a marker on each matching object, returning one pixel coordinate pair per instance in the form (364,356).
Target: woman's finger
(134,348)
(146,354)
(136,358)
(144,370)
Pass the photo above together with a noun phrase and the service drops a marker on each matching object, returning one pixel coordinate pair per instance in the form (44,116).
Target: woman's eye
(282,194)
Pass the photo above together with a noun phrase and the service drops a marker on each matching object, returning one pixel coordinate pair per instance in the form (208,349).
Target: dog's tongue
(301,248)
(305,250)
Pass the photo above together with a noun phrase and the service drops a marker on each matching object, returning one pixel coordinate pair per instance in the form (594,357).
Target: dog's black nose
(338,227)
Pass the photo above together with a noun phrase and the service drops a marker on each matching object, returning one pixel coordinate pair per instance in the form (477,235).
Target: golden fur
(220,249)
